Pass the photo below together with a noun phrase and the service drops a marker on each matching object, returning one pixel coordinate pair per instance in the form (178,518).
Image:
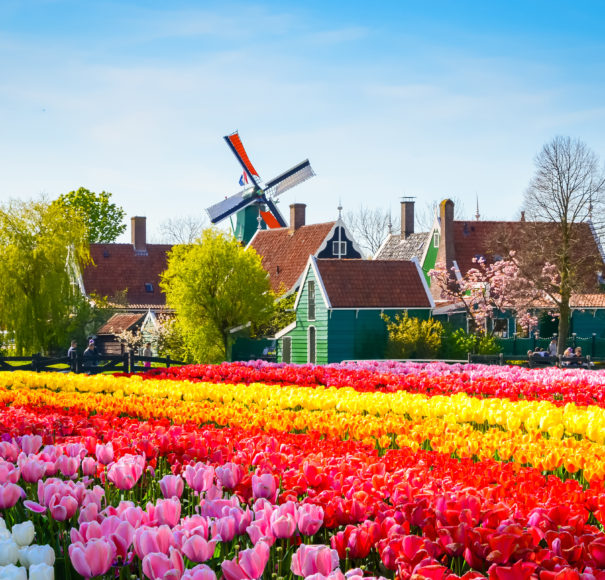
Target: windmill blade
(237,148)
(289,179)
(275,212)
(223,209)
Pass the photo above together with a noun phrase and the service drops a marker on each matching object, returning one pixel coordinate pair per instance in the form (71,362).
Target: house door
(286,349)
(312,347)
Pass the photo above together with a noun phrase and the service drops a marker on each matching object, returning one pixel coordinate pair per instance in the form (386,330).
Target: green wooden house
(339,306)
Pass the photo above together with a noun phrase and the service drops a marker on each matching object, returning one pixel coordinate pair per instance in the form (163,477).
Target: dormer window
(149,287)
(339,249)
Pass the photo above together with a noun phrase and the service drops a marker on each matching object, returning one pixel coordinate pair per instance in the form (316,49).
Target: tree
(567,188)
(183,230)
(370,227)
(40,300)
(215,285)
(103,218)
(413,337)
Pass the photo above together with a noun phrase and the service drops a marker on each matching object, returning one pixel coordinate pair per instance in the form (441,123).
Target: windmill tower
(254,206)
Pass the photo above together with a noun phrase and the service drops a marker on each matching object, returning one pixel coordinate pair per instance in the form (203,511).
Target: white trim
(427,243)
(383,308)
(424,284)
(597,240)
(312,263)
(240,327)
(311,326)
(301,279)
(285,330)
(150,316)
(338,224)
(457,270)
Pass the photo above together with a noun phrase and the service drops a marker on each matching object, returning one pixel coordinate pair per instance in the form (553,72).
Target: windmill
(254,206)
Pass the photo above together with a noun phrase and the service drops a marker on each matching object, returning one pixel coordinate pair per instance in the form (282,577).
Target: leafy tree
(41,303)
(283,315)
(459,343)
(215,285)
(413,337)
(103,219)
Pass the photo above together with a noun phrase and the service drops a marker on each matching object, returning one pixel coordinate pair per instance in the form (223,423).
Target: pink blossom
(172,486)
(199,477)
(199,572)
(310,519)
(264,486)
(126,472)
(249,564)
(314,559)
(32,469)
(197,549)
(10,494)
(93,558)
(157,566)
(104,453)
(30,444)
(148,540)
(229,475)
(168,511)
(8,472)
(89,466)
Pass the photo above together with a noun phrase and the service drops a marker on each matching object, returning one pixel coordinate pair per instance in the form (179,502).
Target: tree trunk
(564,316)
(227,345)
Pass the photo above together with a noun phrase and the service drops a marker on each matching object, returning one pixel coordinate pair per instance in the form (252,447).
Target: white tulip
(23,534)
(2,523)
(41,572)
(5,534)
(30,555)
(9,552)
(11,572)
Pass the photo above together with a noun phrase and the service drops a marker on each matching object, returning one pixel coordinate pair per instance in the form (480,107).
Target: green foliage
(103,218)
(40,301)
(413,337)
(283,315)
(460,343)
(215,285)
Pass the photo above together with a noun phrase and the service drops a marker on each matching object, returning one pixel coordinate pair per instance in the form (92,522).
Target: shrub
(413,337)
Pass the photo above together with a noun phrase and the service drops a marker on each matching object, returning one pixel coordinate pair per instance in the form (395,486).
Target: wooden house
(339,306)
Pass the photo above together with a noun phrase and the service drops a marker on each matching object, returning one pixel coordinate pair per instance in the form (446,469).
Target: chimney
(445,253)
(138,226)
(297,215)
(522,216)
(407,216)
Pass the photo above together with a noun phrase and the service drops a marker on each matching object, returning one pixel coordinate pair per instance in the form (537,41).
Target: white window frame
(309,283)
(339,249)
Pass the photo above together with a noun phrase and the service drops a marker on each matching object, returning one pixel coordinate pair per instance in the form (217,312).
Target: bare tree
(567,188)
(183,230)
(370,226)
(425,216)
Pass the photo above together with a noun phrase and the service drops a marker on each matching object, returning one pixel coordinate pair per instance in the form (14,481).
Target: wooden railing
(126,363)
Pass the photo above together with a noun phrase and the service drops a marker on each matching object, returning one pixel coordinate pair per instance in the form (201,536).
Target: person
(72,355)
(90,356)
(552,347)
(147,352)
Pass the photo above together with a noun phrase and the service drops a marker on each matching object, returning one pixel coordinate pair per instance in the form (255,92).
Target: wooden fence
(126,363)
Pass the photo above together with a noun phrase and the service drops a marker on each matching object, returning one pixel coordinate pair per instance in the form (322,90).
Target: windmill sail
(223,209)
(237,148)
(289,179)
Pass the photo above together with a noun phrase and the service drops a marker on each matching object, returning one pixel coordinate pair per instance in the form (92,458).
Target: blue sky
(427,99)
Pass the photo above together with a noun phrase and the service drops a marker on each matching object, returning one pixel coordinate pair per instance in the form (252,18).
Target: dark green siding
(585,322)
(430,258)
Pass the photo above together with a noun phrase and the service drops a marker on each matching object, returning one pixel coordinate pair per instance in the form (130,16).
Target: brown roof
(473,238)
(373,284)
(398,247)
(117,267)
(587,300)
(120,322)
(285,252)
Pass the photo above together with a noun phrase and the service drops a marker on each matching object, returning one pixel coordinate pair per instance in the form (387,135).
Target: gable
(339,245)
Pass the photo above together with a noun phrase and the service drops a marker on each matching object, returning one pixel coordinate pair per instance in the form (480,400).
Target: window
(500,326)
(149,287)
(339,249)
(436,240)
(286,355)
(310,300)
(312,346)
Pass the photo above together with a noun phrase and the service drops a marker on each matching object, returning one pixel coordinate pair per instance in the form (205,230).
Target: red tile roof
(373,284)
(118,267)
(587,300)
(472,238)
(285,252)
(120,322)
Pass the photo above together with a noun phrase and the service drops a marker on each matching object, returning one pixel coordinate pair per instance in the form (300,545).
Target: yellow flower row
(533,416)
(241,407)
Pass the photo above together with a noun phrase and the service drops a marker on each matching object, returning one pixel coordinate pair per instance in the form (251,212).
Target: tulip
(148,540)
(30,444)
(199,477)
(157,566)
(314,559)
(310,519)
(264,486)
(68,466)
(126,472)
(12,572)
(197,549)
(89,466)
(9,451)
(282,525)
(9,495)
(62,508)
(199,572)
(32,469)
(41,571)
(8,472)
(249,564)
(168,511)
(225,528)
(104,453)
(93,558)
(30,555)
(23,534)
(172,486)
(229,475)
(9,552)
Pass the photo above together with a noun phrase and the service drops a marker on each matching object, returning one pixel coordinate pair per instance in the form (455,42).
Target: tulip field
(274,471)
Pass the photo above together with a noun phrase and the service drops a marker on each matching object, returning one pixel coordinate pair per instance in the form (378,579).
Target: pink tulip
(229,475)
(260,531)
(32,469)
(9,495)
(75,450)
(104,453)
(250,563)
(264,486)
(87,531)
(197,549)
(242,519)
(93,558)
(148,540)
(62,508)
(172,486)
(168,511)
(89,466)
(225,528)
(120,533)
(8,472)
(89,513)
(314,559)
(282,525)
(200,572)
(199,477)
(126,472)
(30,444)
(68,466)
(9,451)
(195,524)
(158,566)
(310,519)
